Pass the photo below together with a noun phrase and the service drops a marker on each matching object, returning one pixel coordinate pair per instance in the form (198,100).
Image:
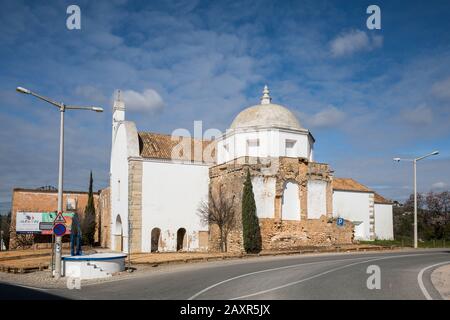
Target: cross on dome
(266,99)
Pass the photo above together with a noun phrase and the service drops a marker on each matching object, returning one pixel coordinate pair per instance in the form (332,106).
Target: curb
(264,254)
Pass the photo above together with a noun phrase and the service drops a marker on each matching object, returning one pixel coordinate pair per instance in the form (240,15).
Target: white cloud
(328,117)
(441,89)
(421,115)
(353,41)
(440,185)
(147,100)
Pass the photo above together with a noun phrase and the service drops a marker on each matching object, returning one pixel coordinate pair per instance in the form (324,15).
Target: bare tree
(219,211)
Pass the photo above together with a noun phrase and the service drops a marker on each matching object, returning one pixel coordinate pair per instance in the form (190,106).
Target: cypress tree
(88,225)
(250,222)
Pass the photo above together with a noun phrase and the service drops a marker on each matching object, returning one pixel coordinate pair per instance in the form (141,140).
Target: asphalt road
(403,275)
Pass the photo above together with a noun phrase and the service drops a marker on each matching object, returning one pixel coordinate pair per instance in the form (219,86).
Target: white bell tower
(118,114)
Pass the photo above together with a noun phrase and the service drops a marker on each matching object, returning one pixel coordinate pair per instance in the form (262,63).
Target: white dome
(266,114)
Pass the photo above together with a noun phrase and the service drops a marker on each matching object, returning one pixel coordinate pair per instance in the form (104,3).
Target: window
(252,147)
(290,148)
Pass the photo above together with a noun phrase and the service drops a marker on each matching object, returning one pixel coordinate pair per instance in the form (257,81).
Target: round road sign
(59,229)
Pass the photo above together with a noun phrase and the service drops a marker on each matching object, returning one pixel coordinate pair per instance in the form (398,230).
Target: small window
(290,148)
(252,147)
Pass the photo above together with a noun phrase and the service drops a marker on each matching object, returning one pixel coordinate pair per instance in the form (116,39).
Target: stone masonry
(135,205)
(278,234)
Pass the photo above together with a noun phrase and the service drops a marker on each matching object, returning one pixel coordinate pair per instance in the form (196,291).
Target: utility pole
(62,109)
(414,161)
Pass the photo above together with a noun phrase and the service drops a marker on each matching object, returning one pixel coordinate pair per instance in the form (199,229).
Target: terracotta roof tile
(164,146)
(348,184)
(380,199)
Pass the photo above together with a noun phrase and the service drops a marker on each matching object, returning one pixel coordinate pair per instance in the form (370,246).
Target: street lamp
(62,108)
(414,161)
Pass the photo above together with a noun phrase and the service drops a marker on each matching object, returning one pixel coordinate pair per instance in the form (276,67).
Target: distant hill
(5,207)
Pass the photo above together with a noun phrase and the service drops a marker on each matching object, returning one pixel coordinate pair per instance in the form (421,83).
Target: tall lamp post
(414,161)
(62,109)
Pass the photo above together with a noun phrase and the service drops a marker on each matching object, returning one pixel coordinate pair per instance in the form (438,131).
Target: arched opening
(118,235)
(155,237)
(181,239)
(290,205)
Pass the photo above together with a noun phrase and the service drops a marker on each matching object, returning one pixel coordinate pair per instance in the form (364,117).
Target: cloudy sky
(366,95)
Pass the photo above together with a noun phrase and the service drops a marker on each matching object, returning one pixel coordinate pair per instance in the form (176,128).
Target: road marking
(420,279)
(287,267)
(321,274)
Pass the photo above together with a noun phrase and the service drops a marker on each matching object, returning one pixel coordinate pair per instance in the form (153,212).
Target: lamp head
(23,90)
(97,109)
(435,153)
(397,159)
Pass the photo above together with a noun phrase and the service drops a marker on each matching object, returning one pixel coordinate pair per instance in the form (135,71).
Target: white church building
(157,181)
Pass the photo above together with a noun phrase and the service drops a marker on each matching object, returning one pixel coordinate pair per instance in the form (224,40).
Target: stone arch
(118,234)
(181,239)
(155,239)
(290,201)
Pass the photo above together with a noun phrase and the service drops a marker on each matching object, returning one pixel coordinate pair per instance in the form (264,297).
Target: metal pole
(58,241)
(415,203)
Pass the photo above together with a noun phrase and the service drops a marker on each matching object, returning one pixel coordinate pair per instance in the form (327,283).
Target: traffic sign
(59,229)
(59,218)
(340,221)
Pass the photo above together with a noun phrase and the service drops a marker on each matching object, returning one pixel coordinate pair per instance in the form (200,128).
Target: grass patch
(409,243)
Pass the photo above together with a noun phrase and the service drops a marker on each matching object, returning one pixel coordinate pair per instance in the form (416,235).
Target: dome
(266,114)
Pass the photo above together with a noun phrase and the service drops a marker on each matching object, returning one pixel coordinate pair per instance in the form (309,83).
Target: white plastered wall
(171,195)
(264,191)
(354,206)
(317,199)
(125,145)
(384,229)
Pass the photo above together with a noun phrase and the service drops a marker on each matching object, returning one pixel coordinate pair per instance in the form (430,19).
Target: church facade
(157,183)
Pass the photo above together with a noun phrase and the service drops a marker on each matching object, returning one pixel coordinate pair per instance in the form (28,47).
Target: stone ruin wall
(278,234)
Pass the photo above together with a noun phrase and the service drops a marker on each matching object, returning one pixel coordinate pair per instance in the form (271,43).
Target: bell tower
(118,114)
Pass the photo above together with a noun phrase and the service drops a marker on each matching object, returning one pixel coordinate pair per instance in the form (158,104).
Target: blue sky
(366,95)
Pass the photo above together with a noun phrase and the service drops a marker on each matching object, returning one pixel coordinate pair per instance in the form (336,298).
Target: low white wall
(92,269)
(384,228)
(353,206)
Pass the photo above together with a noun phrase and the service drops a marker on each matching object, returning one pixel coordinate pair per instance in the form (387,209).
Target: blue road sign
(59,229)
(340,222)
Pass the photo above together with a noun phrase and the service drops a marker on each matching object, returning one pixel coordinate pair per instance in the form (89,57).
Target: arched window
(181,239)
(290,208)
(155,237)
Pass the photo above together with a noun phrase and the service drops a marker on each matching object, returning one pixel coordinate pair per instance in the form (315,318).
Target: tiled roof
(348,184)
(164,146)
(382,200)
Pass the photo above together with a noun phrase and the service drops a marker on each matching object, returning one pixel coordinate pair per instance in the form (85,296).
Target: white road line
(292,266)
(420,279)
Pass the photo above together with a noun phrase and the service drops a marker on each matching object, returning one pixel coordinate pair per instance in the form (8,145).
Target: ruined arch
(181,239)
(155,239)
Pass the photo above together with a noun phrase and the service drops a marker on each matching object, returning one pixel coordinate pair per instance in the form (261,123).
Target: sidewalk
(441,281)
